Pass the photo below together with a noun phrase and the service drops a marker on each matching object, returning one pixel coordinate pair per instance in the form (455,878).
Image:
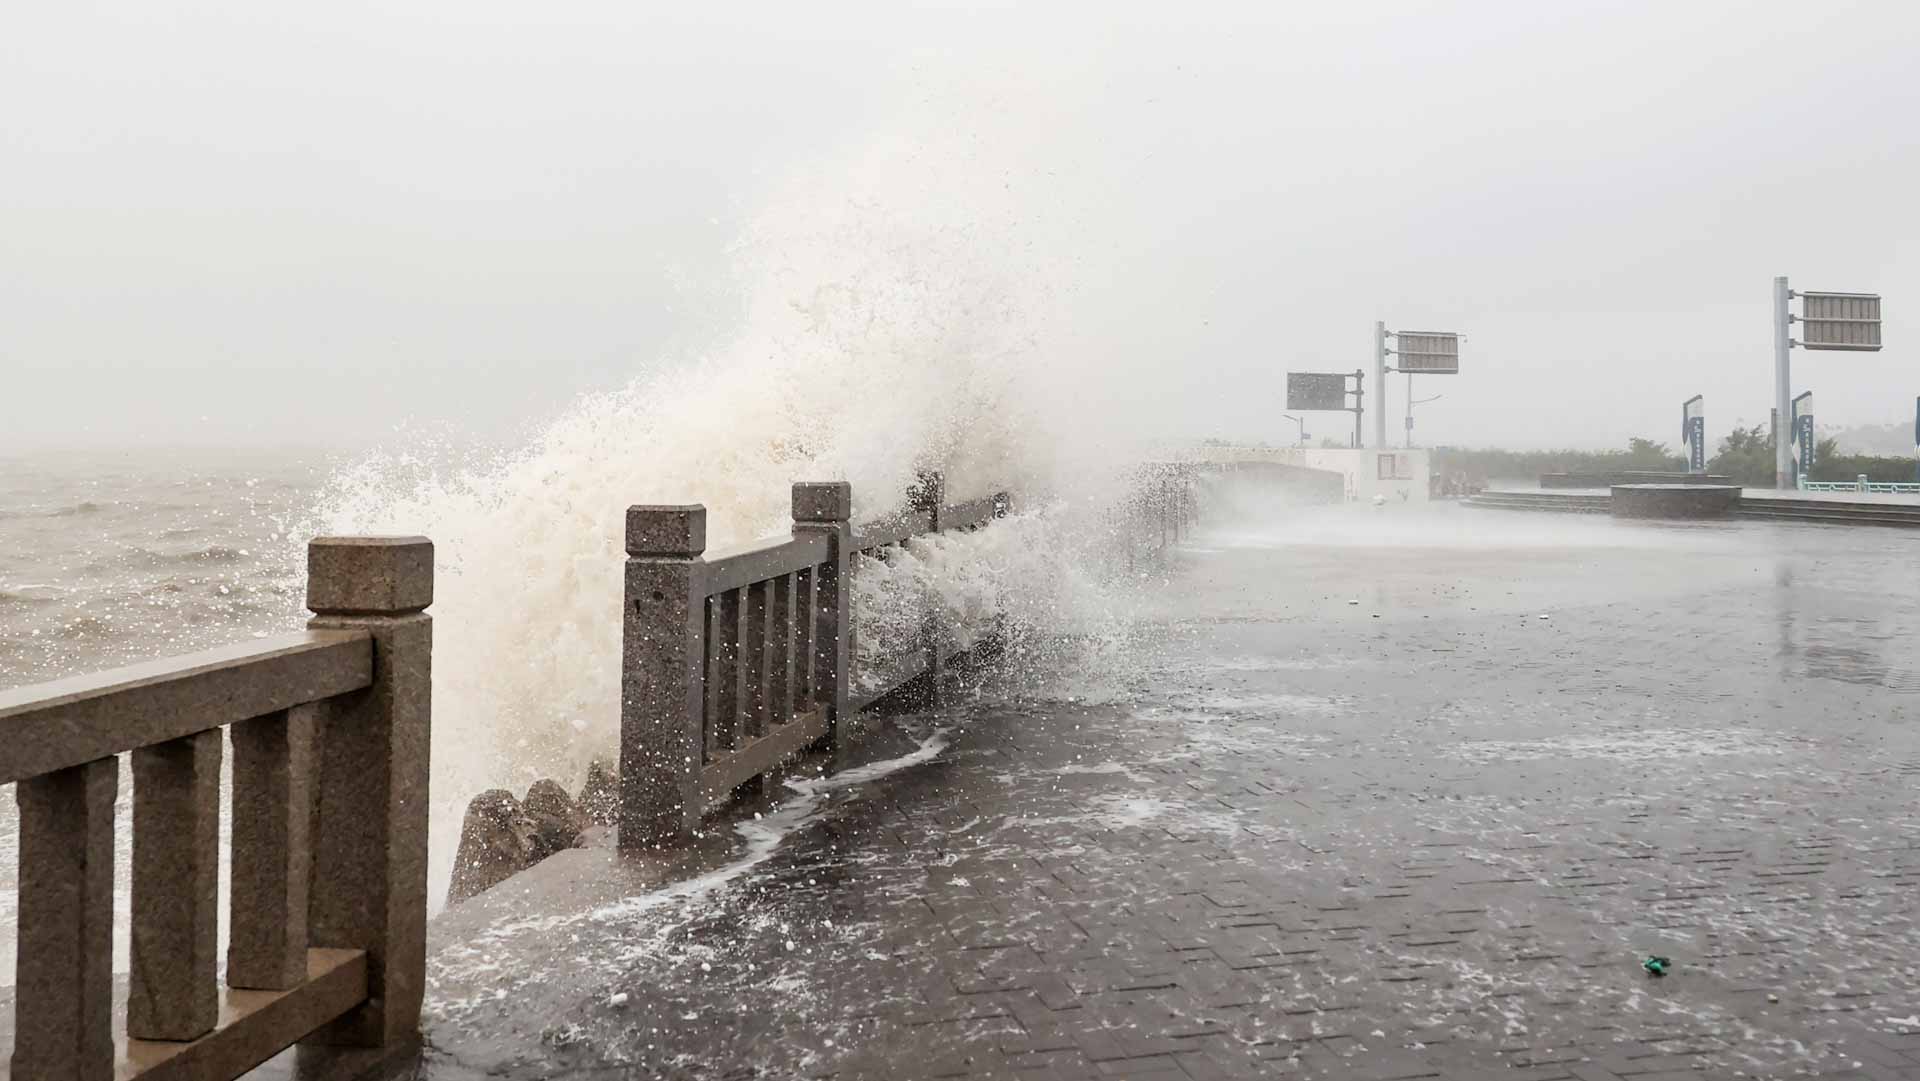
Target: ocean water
(107,558)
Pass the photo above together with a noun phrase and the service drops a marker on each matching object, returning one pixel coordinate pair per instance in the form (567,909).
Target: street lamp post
(1303,428)
(1411,402)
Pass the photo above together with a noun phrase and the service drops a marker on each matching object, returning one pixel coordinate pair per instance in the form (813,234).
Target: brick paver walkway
(1431,834)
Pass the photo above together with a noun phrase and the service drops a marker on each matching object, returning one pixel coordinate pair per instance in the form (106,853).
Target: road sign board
(1849,321)
(1316,390)
(1427,351)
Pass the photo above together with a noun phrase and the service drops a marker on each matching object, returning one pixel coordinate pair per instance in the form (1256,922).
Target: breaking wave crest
(876,339)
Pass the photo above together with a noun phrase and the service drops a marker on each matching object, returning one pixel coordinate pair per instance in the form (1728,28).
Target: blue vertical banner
(1693,432)
(1803,436)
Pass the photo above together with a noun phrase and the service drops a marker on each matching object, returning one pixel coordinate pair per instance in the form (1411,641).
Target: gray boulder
(557,820)
(496,841)
(600,796)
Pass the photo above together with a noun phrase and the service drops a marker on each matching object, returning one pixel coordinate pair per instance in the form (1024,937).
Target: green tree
(1649,455)
(1484,463)
(1830,464)
(1745,457)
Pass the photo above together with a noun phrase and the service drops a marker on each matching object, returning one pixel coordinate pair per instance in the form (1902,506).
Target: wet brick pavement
(1428,834)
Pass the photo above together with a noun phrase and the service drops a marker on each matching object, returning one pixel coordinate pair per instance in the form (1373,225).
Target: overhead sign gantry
(1849,322)
(1434,352)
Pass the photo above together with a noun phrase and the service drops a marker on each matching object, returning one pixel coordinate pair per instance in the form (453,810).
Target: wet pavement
(1391,794)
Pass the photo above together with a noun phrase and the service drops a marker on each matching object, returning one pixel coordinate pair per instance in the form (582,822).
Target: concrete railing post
(931,496)
(273,778)
(369,884)
(63,970)
(1164,511)
(663,654)
(1183,492)
(827,507)
(171,991)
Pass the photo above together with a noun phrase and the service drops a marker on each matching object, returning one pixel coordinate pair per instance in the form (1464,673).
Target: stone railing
(328,851)
(927,512)
(1160,509)
(737,661)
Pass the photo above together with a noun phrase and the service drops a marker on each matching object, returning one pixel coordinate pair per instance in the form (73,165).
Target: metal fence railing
(1861,485)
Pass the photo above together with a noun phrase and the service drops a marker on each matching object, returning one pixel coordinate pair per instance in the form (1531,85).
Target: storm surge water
(893,316)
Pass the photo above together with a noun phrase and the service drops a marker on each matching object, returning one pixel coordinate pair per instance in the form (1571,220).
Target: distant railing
(1159,510)
(1861,485)
(927,512)
(327,935)
(733,663)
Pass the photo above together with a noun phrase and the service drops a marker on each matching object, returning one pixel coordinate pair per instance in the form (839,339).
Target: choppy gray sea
(107,558)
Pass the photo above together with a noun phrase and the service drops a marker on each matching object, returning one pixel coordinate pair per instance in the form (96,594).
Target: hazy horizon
(351,225)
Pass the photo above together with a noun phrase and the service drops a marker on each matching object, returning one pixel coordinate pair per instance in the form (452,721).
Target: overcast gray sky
(245,223)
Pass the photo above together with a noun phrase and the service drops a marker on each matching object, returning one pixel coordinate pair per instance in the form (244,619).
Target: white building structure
(1400,476)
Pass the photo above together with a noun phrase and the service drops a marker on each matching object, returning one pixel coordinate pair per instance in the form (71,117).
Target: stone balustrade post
(931,496)
(663,655)
(369,861)
(63,968)
(827,507)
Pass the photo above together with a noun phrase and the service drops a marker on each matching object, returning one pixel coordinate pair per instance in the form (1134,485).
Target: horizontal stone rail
(735,661)
(327,933)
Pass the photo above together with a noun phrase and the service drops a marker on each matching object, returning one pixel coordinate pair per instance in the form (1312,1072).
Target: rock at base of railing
(502,836)
(600,796)
(558,821)
(496,840)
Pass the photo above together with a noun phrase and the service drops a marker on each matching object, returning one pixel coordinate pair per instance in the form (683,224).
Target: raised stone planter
(1681,501)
